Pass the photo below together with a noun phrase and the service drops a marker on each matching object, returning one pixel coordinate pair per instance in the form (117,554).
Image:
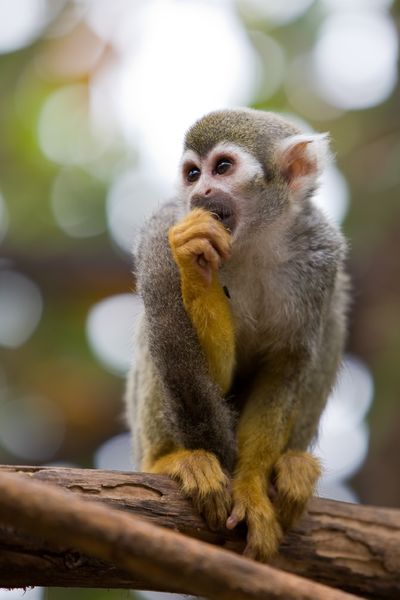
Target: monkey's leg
(297,471)
(263,433)
(198,244)
(295,477)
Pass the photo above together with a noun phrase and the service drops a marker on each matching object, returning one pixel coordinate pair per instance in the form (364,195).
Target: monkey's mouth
(220,208)
(226,216)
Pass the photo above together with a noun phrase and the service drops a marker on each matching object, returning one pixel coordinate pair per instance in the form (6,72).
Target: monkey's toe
(202,479)
(214,507)
(211,490)
(263,538)
(296,474)
(264,532)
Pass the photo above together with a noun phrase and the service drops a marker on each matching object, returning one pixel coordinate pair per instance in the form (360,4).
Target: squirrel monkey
(243,326)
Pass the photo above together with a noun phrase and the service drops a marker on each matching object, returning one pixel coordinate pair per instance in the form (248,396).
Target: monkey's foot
(199,243)
(264,533)
(296,474)
(202,479)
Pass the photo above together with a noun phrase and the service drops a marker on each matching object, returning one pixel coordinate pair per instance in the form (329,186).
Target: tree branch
(353,547)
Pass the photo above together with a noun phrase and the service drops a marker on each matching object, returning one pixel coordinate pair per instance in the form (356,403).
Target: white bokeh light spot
(343,434)
(118,22)
(355,59)
(77,207)
(352,5)
(115,454)
(342,453)
(20,23)
(36,593)
(332,196)
(336,489)
(20,308)
(132,198)
(110,328)
(65,132)
(351,398)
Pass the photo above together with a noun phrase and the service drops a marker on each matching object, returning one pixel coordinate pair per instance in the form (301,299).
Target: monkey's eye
(192,174)
(223,165)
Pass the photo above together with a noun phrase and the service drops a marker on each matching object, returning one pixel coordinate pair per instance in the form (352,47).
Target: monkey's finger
(220,505)
(201,219)
(261,543)
(191,224)
(205,270)
(237,515)
(213,231)
(215,509)
(200,249)
(257,547)
(258,553)
(211,513)
(219,245)
(186,477)
(250,551)
(221,510)
(211,255)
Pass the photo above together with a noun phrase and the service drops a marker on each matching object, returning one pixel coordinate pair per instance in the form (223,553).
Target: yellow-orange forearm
(209,310)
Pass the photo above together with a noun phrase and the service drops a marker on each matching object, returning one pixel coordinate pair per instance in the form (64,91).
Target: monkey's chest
(261,319)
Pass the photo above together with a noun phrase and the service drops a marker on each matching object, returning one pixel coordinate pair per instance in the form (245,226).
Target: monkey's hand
(252,505)
(201,478)
(199,244)
(296,474)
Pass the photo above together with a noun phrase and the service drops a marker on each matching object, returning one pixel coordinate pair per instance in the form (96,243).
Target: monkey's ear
(301,159)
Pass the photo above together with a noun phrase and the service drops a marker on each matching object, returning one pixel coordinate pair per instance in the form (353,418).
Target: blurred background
(95,97)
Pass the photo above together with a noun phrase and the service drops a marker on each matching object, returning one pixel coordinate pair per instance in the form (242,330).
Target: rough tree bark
(353,547)
(136,546)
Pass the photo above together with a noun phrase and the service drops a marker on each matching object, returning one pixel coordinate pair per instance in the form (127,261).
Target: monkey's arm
(197,422)
(197,414)
(198,243)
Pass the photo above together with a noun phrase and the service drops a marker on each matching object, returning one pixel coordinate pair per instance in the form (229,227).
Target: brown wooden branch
(136,546)
(353,547)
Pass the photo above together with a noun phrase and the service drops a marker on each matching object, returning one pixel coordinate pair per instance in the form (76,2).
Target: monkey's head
(249,168)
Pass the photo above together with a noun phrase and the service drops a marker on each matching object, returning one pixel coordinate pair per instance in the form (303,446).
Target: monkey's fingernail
(205,269)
